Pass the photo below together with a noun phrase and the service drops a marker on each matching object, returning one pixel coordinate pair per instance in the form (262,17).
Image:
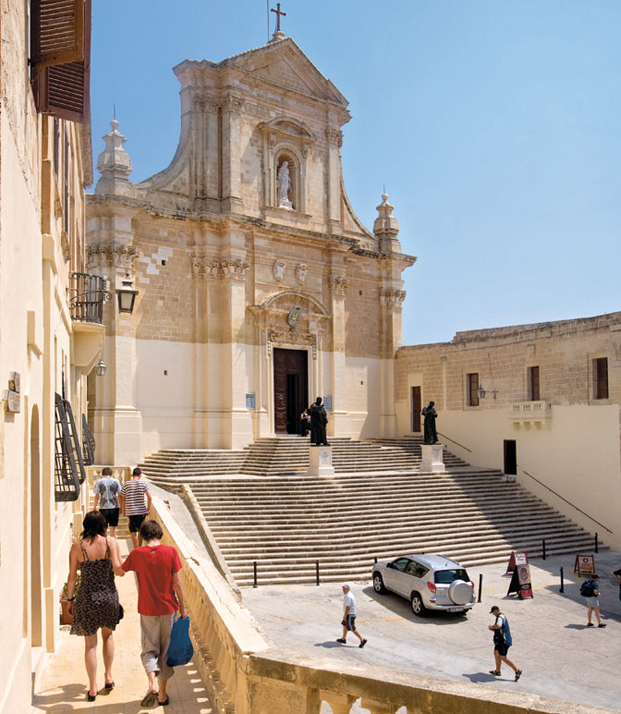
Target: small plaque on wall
(251,401)
(327,402)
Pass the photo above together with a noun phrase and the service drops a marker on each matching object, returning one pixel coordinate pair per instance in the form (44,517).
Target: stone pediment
(284,63)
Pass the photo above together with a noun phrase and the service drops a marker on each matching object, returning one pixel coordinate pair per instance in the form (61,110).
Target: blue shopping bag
(180,650)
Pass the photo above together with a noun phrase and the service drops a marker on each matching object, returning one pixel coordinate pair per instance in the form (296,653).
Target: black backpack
(587,589)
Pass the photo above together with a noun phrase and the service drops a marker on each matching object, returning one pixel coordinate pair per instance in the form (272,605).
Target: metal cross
(278,14)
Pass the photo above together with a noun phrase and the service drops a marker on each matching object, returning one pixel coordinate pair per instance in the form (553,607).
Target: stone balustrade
(244,674)
(531,414)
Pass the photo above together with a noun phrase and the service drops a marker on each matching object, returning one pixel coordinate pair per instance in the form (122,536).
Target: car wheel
(378,583)
(418,608)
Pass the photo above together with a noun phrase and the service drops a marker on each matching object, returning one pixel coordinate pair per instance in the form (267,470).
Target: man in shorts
(349,616)
(592,602)
(135,504)
(501,647)
(160,596)
(106,489)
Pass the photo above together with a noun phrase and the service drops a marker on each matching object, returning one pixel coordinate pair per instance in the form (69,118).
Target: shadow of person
(56,699)
(329,644)
(480,677)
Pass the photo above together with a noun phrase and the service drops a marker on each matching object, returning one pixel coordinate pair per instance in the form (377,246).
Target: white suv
(429,582)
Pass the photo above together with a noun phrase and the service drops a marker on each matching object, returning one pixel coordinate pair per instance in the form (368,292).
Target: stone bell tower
(258,287)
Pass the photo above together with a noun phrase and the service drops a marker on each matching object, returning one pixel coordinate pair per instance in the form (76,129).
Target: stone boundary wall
(245,674)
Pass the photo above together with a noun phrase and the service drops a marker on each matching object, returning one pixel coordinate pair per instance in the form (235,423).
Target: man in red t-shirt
(160,595)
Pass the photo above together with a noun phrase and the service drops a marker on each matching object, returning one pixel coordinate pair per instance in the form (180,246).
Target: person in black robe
(319,421)
(430,435)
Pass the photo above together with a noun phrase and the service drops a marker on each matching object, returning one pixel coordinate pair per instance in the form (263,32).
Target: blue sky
(494,125)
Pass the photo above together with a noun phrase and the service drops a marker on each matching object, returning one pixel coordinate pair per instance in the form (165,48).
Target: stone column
(338,289)
(231,154)
(334,138)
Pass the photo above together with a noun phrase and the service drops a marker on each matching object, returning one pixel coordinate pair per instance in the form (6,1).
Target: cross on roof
(278,12)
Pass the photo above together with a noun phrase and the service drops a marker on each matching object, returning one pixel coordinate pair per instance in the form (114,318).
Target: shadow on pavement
(400,606)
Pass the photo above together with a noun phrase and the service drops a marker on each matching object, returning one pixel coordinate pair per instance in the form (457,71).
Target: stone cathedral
(258,288)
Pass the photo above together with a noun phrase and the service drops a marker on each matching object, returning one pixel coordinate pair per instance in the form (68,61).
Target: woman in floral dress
(95,605)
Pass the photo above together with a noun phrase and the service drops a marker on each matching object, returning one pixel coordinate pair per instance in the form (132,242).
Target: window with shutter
(601,378)
(473,386)
(61,39)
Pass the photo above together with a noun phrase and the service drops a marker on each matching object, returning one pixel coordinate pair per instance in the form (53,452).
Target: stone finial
(386,226)
(114,164)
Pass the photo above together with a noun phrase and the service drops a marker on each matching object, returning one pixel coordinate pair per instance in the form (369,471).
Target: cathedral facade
(257,287)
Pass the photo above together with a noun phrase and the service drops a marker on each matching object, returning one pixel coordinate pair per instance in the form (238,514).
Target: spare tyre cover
(461,592)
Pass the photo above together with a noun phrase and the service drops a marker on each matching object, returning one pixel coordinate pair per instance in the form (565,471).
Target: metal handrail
(86,295)
(461,446)
(566,501)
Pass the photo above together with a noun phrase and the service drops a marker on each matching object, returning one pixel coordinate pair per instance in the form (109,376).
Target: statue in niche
(430,435)
(284,186)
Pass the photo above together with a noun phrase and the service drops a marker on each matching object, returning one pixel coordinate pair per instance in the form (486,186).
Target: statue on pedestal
(430,435)
(319,421)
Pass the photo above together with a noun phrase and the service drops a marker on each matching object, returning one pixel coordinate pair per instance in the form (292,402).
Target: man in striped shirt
(135,504)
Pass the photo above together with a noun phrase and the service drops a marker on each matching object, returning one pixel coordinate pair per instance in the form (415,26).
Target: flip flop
(518,674)
(149,700)
(165,703)
(495,672)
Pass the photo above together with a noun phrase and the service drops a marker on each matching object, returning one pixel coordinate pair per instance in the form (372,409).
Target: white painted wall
(578,457)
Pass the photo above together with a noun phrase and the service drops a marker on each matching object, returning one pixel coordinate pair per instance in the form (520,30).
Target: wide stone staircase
(262,511)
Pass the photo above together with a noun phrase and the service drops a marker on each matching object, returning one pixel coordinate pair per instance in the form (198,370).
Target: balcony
(86,296)
(531,415)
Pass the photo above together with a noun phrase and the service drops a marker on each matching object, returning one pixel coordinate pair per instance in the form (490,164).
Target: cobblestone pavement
(560,657)
(62,686)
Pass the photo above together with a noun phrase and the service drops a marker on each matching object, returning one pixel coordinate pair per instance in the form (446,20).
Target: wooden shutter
(57,31)
(473,386)
(61,65)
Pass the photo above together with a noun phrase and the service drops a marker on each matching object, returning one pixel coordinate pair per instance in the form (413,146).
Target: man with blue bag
(502,642)
(160,596)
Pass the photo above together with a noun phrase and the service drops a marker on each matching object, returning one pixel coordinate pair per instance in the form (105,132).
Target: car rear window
(445,577)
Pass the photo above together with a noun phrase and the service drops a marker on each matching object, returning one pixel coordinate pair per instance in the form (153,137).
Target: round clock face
(294,316)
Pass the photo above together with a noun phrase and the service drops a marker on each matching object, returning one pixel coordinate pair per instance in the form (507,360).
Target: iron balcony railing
(87,294)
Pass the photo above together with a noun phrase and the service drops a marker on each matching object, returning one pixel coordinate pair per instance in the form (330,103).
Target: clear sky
(494,124)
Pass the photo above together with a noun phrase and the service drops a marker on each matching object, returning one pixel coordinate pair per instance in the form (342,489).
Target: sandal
(518,674)
(495,672)
(149,700)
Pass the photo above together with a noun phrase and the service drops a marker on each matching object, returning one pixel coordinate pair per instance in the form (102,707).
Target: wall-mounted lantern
(481,392)
(101,368)
(126,295)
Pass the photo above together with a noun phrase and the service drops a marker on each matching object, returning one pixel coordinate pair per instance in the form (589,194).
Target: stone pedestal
(320,461)
(432,458)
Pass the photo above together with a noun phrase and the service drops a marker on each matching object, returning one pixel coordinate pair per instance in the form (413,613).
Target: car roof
(434,561)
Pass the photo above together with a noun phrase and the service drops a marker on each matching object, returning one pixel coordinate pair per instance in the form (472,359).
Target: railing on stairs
(448,438)
(558,495)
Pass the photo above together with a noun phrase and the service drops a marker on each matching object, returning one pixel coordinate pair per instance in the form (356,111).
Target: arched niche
(285,139)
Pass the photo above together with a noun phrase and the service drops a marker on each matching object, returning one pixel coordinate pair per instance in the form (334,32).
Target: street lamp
(100,368)
(126,295)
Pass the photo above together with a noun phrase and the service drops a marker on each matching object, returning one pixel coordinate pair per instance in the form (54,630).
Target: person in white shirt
(349,616)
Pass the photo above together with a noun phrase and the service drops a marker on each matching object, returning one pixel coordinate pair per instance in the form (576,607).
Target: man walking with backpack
(502,642)
(590,590)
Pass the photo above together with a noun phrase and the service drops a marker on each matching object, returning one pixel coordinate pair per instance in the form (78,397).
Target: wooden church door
(290,389)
